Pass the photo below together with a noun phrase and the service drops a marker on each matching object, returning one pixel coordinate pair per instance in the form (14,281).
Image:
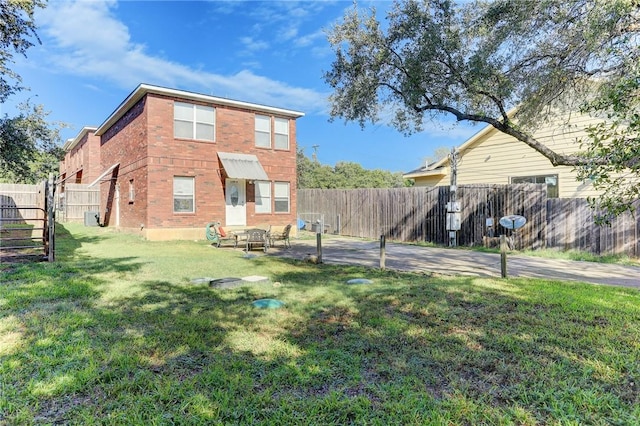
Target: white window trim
(268,209)
(268,132)
(194,121)
(276,197)
(276,133)
(193,194)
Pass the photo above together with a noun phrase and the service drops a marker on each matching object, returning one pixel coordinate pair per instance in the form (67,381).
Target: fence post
(51,219)
(383,253)
(503,255)
(319,246)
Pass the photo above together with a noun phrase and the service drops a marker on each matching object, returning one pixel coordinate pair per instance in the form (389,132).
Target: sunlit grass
(116,332)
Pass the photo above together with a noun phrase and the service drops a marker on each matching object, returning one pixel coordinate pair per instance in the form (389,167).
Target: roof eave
(441,171)
(71,143)
(144,89)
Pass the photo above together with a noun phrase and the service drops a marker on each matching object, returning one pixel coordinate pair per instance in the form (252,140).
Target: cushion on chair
(222,232)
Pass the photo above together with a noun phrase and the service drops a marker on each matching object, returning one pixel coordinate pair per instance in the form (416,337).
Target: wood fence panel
(571,225)
(76,200)
(419,213)
(19,195)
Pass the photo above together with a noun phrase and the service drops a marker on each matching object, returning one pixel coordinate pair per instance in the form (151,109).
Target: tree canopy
(478,61)
(347,175)
(17,28)
(29,145)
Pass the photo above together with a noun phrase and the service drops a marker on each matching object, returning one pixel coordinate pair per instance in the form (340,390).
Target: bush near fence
(419,214)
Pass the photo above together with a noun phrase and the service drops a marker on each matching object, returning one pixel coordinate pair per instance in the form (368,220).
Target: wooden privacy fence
(76,200)
(571,225)
(419,214)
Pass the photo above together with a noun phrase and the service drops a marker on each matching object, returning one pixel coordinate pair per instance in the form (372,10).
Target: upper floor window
(194,121)
(281,130)
(263,131)
(550,180)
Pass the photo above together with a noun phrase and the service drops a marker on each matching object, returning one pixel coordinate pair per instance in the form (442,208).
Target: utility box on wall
(91,218)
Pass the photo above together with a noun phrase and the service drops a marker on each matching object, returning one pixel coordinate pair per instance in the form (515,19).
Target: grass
(115,332)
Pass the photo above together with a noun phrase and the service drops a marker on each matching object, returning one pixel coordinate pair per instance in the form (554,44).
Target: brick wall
(142,142)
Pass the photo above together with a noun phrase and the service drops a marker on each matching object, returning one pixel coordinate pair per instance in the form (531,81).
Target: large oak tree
(477,61)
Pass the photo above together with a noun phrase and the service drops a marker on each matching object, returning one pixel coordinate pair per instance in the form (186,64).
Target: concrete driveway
(405,257)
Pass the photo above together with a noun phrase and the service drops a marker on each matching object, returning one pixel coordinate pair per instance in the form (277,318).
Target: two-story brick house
(81,162)
(172,161)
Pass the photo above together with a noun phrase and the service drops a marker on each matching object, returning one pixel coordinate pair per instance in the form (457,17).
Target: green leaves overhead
(477,60)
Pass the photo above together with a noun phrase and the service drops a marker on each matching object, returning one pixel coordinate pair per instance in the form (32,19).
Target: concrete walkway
(405,257)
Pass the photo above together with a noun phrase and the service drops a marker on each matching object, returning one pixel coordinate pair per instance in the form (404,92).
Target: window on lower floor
(281,197)
(550,180)
(263,196)
(183,194)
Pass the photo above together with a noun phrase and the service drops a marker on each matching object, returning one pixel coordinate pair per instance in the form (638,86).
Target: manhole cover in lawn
(204,280)
(359,281)
(268,304)
(226,282)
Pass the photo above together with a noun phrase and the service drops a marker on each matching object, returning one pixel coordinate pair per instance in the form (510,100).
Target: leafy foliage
(29,145)
(618,140)
(16,26)
(480,60)
(312,174)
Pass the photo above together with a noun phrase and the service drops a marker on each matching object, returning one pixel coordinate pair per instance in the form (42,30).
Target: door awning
(104,174)
(242,166)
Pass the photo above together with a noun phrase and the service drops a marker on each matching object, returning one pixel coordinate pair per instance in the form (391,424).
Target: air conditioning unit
(91,218)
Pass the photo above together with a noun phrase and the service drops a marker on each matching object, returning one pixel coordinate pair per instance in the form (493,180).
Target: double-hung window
(281,131)
(281,197)
(183,194)
(263,196)
(263,131)
(194,121)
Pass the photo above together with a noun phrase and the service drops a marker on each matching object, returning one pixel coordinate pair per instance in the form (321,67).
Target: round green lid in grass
(268,304)
(359,281)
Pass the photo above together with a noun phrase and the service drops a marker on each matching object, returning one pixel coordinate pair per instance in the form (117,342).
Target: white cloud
(90,41)
(254,45)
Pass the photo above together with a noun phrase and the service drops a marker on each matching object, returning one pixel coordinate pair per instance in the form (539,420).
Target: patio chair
(257,237)
(280,235)
(217,235)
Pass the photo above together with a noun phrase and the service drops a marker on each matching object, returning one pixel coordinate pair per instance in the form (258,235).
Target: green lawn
(116,332)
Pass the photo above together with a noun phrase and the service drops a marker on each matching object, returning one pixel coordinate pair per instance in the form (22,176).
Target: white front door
(236,210)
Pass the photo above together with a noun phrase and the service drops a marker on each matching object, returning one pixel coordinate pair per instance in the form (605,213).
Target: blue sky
(95,52)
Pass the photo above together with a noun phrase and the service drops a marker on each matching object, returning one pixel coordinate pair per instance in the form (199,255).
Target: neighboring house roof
(144,89)
(439,167)
(71,143)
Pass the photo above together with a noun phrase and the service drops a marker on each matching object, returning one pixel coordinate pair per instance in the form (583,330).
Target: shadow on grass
(407,349)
